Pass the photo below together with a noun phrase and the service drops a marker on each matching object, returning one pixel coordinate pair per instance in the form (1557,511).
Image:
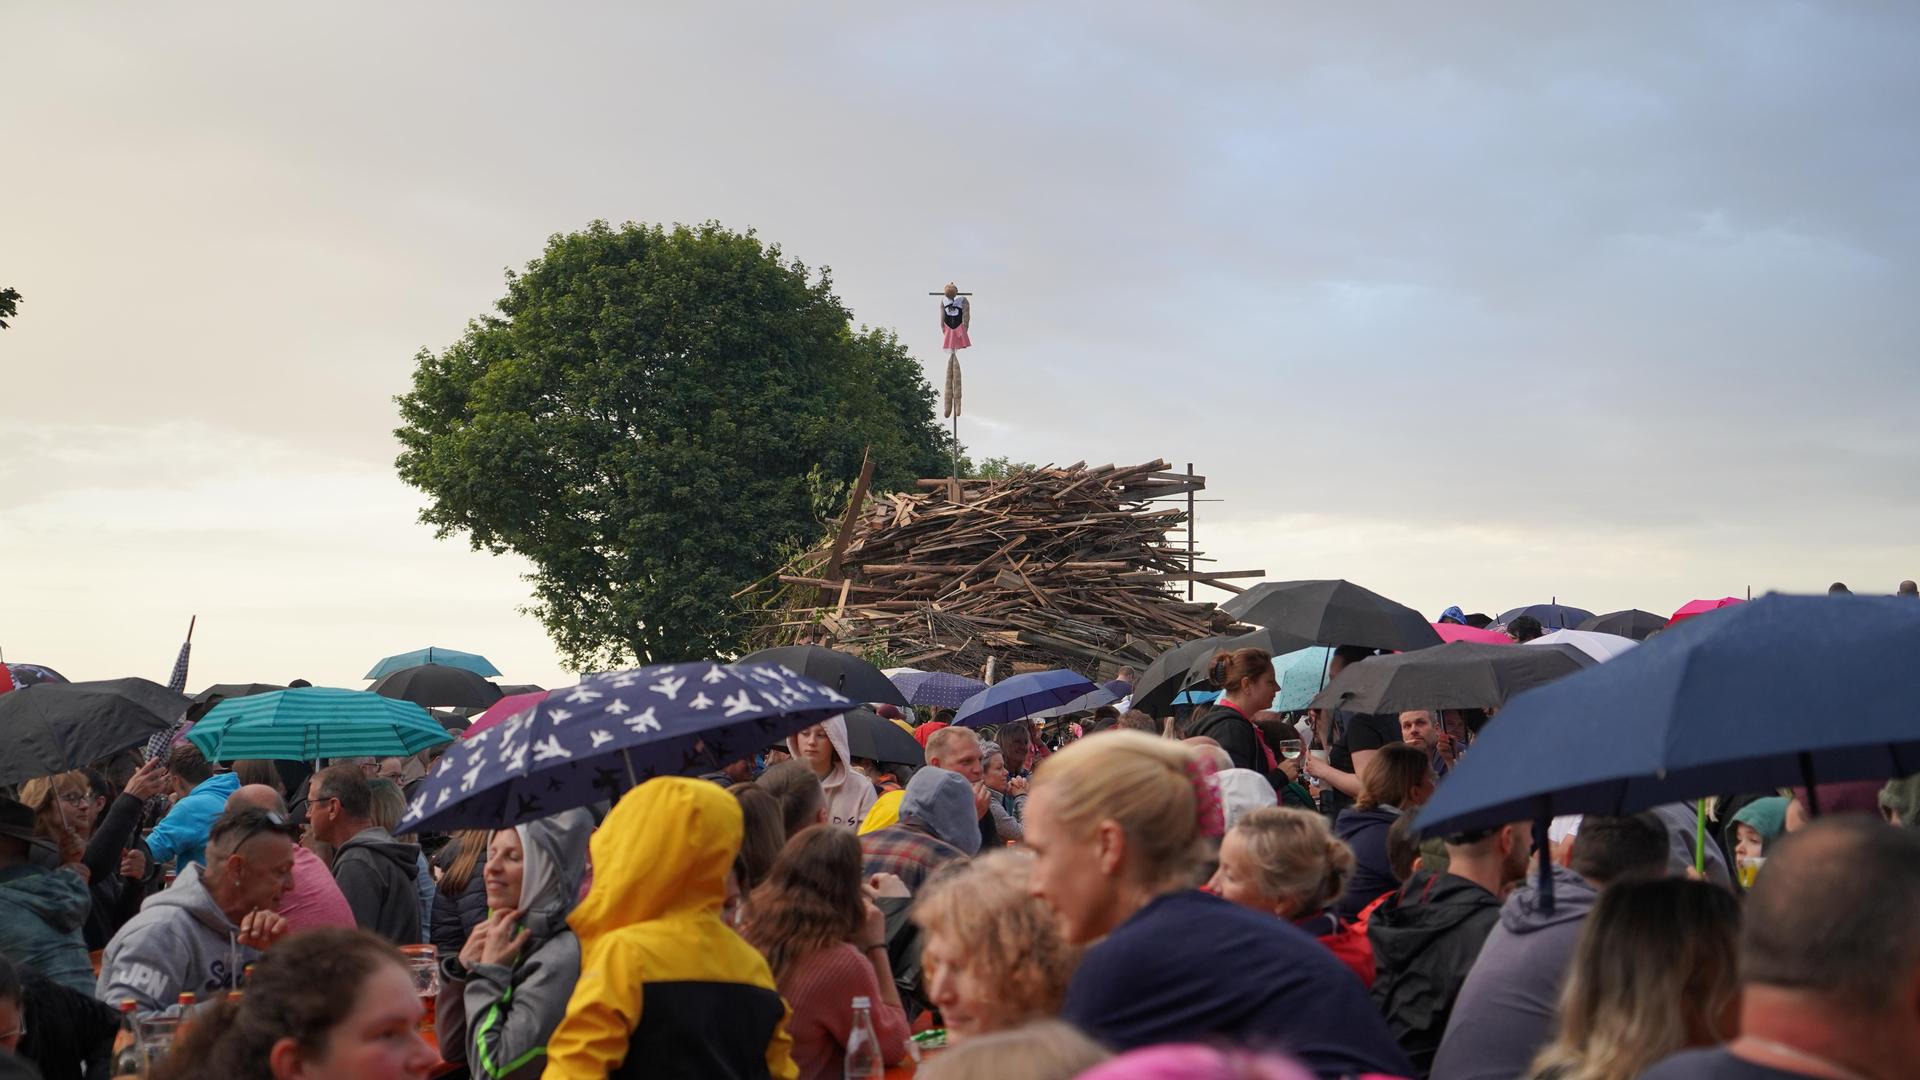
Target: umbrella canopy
(1197,697)
(1270,641)
(508,705)
(1302,674)
(232,690)
(433,654)
(840,672)
(1700,607)
(1460,675)
(50,727)
(870,735)
(1601,647)
(1787,690)
(593,741)
(312,722)
(33,674)
(1087,702)
(437,686)
(1461,632)
(936,688)
(1022,696)
(1333,613)
(1551,616)
(1154,691)
(1632,623)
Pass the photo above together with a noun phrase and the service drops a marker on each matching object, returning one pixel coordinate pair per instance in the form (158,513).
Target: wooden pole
(845,536)
(1190,550)
(190,622)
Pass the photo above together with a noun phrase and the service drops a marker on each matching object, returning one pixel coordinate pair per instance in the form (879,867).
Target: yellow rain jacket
(885,812)
(666,988)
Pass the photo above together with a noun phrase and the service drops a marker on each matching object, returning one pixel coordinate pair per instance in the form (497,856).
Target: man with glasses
(376,873)
(199,935)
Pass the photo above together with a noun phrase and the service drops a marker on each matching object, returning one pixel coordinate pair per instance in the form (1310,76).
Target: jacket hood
(836,728)
(1242,791)
(1573,897)
(48,894)
(380,842)
(189,892)
(667,847)
(1429,907)
(1768,817)
(554,861)
(942,803)
(1352,821)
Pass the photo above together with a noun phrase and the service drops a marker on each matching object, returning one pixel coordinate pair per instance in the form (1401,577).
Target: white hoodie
(849,794)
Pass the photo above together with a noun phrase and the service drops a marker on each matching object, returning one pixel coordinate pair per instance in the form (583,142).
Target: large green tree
(653,418)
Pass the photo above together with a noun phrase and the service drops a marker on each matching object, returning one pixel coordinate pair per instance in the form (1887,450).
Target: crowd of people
(1225,893)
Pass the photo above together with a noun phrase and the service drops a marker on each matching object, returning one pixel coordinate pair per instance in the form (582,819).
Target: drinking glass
(155,1035)
(424,965)
(1750,869)
(1291,749)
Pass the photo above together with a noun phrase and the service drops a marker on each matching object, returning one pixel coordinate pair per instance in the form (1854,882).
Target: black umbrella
(437,686)
(870,735)
(205,700)
(842,672)
(1458,675)
(1631,623)
(1154,691)
(49,728)
(1333,613)
(1087,702)
(1270,641)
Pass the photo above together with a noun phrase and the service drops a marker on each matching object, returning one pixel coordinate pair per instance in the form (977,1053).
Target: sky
(1478,304)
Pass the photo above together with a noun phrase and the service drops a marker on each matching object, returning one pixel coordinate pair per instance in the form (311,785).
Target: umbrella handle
(1700,836)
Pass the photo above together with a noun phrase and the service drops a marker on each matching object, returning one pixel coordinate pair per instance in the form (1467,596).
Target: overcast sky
(1474,304)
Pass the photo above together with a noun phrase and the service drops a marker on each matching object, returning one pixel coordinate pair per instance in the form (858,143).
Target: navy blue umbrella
(1551,616)
(1022,696)
(937,688)
(1787,690)
(595,740)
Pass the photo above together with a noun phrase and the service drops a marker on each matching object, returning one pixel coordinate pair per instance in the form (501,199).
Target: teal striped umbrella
(312,722)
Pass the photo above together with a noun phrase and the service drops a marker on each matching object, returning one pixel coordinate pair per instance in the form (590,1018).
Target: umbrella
(1153,693)
(1787,690)
(1271,642)
(1555,616)
(1087,702)
(1022,696)
(1333,613)
(1700,607)
(437,686)
(1632,623)
(1302,674)
(870,735)
(465,661)
(50,727)
(1460,675)
(840,672)
(6,679)
(1601,647)
(510,689)
(1197,697)
(1461,632)
(593,741)
(937,688)
(25,675)
(508,705)
(233,690)
(312,722)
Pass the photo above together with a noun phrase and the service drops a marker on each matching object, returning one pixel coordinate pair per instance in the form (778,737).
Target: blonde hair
(1655,969)
(1011,939)
(1390,779)
(1141,783)
(1043,1050)
(42,795)
(946,742)
(1299,857)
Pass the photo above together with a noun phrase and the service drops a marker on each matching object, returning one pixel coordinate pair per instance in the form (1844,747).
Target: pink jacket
(314,900)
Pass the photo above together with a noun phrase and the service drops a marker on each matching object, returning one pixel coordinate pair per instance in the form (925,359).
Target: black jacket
(378,875)
(1365,831)
(1425,940)
(115,899)
(1236,735)
(455,916)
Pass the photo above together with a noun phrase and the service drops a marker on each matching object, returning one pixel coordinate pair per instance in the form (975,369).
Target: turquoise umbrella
(1302,675)
(433,654)
(313,722)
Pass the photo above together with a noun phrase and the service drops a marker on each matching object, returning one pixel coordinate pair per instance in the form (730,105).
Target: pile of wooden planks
(1050,567)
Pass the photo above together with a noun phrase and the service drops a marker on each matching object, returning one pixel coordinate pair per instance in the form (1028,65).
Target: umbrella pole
(1543,845)
(1700,836)
(1806,777)
(626,757)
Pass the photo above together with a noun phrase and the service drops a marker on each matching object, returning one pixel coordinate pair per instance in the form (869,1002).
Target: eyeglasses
(73,798)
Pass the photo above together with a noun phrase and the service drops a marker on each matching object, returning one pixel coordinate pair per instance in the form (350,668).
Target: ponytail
(1229,670)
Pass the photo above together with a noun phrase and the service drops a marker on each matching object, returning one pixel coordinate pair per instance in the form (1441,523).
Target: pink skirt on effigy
(956,338)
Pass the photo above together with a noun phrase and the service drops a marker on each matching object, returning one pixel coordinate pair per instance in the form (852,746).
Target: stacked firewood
(1051,567)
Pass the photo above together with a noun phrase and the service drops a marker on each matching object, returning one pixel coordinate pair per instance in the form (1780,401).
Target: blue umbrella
(595,740)
(1196,697)
(1787,690)
(1022,695)
(1100,695)
(1302,674)
(937,688)
(312,722)
(1554,616)
(433,654)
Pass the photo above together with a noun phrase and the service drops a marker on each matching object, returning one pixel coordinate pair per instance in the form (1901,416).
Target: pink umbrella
(1452,631)
(1701,607)
(500,710)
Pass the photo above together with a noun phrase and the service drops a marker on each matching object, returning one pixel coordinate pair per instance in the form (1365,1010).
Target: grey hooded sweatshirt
(941,802)
(378,876)
(1505,1010)
(498,1017)
(180,941)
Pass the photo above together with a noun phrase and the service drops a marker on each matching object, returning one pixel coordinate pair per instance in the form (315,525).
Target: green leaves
(652,418)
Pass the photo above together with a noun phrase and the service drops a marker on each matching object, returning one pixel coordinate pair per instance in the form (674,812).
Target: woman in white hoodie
(824,748)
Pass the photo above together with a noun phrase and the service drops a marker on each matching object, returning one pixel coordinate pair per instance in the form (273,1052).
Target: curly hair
(1011,939)
(810,900)
(302,989)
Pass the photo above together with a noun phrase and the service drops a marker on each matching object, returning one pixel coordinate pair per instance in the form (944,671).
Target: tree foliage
(653,416)
(10,306)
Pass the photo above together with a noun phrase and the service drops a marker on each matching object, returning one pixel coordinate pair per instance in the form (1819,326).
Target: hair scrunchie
(1206,798)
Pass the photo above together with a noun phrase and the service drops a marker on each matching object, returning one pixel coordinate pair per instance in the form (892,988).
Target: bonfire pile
(1052,567)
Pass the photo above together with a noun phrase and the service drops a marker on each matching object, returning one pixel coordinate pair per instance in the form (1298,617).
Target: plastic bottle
(126,1045)
(864,1061)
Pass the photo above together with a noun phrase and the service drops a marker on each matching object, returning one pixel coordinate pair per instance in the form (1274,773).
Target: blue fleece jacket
(182,834)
